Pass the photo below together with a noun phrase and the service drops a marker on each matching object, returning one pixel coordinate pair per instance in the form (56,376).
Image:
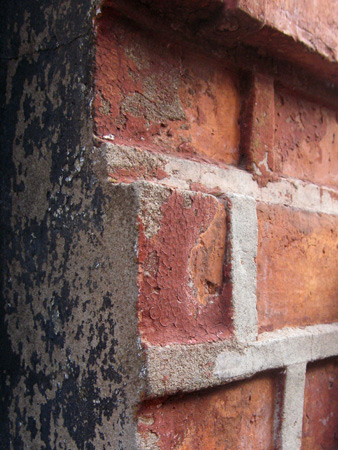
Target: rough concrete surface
(69,352)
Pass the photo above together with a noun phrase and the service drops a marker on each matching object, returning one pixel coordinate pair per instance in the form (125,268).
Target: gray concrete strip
(185,368)
(291,433)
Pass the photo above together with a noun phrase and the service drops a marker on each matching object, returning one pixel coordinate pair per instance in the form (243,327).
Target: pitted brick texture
(163,96)
(297,282)
(239,416)
(183,295)
(306,140)
(320,422)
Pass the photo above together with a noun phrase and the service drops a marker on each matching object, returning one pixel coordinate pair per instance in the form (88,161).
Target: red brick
(182,294)
(257,127)
(284,135)
(320,420)
(163,96)
(306,140)
(297,282)
(234,417)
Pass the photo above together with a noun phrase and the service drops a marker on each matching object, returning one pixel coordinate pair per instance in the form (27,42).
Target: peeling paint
(180,300)
(67,381)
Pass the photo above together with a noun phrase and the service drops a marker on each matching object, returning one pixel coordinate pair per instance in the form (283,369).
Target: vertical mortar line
(291,433)
(244,238)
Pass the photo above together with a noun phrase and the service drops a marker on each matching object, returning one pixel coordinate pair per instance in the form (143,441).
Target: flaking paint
(180,300)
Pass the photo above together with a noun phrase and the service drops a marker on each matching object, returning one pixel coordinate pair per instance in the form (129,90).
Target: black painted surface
(58,315)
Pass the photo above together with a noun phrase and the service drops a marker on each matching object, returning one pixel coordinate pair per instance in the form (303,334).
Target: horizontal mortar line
(183,172)
(186,368)
(289,192)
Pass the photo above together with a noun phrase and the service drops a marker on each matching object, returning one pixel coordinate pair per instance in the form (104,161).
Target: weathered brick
(258,125)
(305,141)
(237,416)
(182,247)
(164,96)
(305,21)
(320,420)
(297,262)
(286,135)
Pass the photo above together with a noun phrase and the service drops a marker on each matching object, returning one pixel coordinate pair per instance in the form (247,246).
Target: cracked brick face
(183,298)
(161,95)
(297,282)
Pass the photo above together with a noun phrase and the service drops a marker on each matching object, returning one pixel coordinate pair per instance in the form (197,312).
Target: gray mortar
(147,441)
(293,407)
(243,239)
(187,368)
(123,157)
(151,198)
(182,172)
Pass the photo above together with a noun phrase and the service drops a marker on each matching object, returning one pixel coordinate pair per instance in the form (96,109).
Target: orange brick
(160,95)
(298,19)
(297,282)
(234,417)
(320,423)
(258,125)
(182,294)
(306,140)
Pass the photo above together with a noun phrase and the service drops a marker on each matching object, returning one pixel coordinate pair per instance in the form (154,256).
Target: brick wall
(233,153)
(170,208)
